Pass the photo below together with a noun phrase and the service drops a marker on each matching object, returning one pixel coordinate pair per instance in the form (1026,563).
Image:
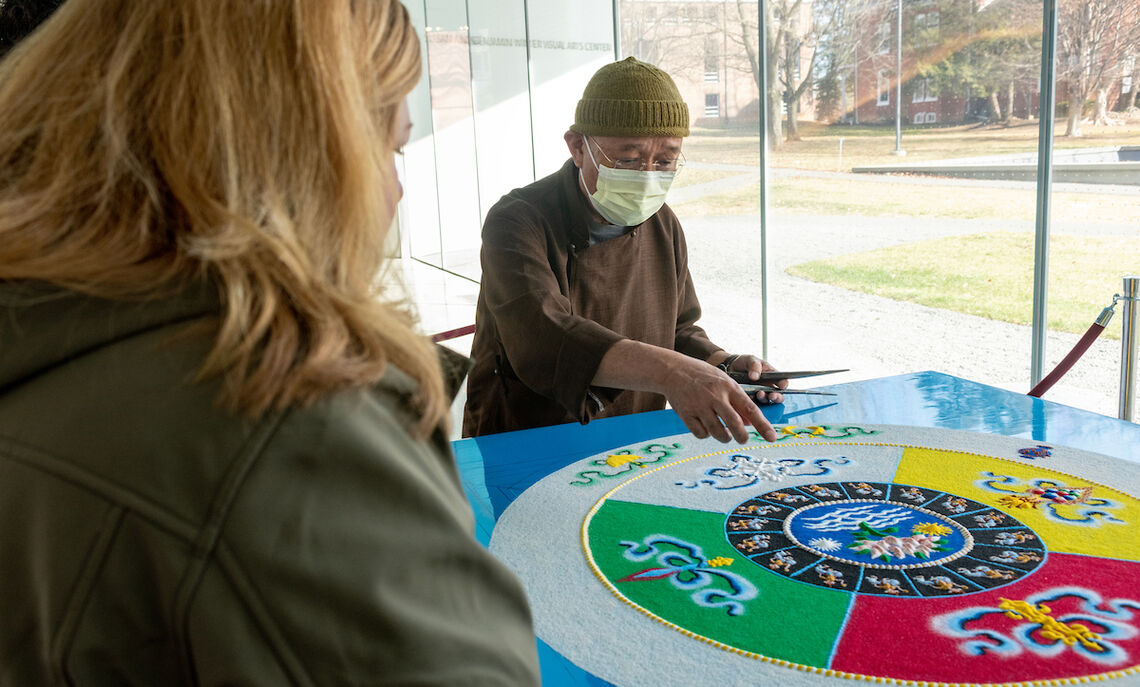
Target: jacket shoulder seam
(64,470)
(206,542)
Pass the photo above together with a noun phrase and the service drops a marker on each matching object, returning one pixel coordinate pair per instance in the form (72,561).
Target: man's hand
(754,366)
(706,399)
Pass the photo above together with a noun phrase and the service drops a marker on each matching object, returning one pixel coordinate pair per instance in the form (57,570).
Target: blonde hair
(146,145)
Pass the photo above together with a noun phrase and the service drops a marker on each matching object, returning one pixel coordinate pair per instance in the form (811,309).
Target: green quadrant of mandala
(809,617)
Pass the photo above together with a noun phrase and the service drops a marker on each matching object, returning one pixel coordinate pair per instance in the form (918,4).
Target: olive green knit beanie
(631,98)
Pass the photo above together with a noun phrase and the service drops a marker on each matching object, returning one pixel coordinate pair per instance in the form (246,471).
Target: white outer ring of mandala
(967,544)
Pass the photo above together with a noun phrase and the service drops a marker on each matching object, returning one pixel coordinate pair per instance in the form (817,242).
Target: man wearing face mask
(586,307)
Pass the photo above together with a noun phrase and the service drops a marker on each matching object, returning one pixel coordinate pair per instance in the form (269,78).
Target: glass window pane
(1095,239)
(500,79)
(486,118)
(419,208)
(569,42)
(452,105)
(902,184)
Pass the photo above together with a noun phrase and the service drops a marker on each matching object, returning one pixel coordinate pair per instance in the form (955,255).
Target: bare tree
(670,35)
(1093,38)
(797,31)
(745,36)
(839,46)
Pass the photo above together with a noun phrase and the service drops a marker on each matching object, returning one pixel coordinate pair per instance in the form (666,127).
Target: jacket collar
(580,219)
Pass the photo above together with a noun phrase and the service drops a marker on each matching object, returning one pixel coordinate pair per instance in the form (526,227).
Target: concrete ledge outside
(1106,165)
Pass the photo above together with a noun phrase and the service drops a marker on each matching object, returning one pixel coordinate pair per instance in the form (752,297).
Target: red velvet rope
(453,333)
(1068,361)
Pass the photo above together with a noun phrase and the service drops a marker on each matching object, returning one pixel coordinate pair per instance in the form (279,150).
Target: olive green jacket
(149,538)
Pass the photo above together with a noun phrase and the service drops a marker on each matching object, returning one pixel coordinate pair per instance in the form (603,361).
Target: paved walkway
(819,326)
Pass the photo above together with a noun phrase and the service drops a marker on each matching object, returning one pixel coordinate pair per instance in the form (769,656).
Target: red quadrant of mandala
(973,638)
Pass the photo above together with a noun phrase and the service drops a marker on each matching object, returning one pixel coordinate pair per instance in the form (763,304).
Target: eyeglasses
(637,164)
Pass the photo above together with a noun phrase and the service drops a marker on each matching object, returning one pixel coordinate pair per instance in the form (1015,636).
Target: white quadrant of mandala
(892,554)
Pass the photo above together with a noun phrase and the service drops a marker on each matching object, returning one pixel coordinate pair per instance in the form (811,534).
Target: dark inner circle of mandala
(883,539)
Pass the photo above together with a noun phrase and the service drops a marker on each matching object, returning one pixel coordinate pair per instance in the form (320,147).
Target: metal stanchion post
(1130,296)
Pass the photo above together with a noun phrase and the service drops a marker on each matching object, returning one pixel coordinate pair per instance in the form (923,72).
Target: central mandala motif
(883,539)
(877,534)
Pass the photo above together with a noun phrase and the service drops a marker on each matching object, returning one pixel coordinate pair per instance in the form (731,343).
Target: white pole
(898,84)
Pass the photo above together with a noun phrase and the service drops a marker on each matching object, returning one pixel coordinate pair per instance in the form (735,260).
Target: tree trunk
(1100,110)
(1074,127)
(1135,86)
(793,115)
(775,116)
(771,99)
(842,99)
(788,96)
(995,107)
(775,92)
(1009,101)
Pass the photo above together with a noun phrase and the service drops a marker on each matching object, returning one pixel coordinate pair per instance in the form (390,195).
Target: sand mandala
(873,552)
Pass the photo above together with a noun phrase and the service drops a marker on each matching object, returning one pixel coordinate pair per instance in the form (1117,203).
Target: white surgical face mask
(627,197)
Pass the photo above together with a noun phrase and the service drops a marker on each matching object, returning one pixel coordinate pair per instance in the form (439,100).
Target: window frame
(712,109)
(883,37)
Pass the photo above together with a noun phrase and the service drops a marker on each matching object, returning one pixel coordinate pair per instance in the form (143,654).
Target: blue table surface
(495,469)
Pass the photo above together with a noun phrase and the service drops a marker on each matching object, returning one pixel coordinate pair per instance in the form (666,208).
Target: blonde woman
(221,449)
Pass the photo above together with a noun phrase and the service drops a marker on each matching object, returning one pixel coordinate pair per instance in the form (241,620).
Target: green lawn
(990,275)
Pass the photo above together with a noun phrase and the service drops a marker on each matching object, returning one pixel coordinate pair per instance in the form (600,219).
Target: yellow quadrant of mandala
(925,467)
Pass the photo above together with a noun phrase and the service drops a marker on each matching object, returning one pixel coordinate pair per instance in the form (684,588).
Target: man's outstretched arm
(706,399)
